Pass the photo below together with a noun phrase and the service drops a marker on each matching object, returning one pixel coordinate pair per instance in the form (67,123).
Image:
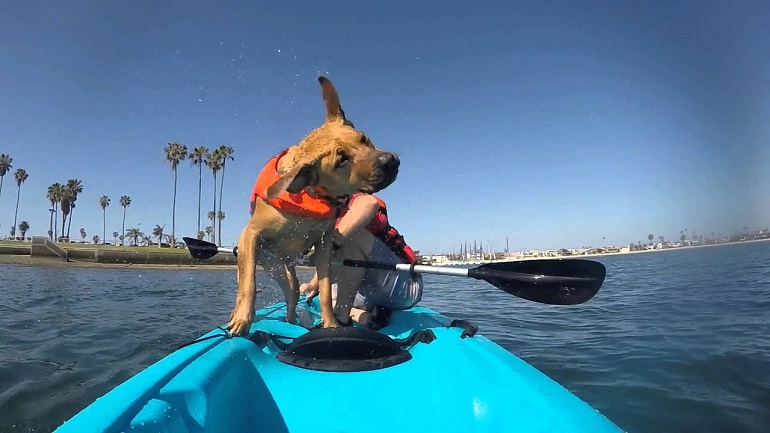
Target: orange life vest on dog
(301,204)
(380,227)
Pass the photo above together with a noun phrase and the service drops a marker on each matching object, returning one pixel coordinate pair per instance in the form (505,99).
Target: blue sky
(555,124)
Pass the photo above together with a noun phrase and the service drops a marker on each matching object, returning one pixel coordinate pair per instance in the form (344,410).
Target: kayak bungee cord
(226,334)
(256,337)
(260,338)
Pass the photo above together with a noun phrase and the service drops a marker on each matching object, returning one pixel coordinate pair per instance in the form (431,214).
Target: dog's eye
(342,160)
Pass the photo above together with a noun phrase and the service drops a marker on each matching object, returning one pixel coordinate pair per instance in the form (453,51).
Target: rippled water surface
(676,341)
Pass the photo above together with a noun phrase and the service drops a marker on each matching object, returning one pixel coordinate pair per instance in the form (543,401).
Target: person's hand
(309,290)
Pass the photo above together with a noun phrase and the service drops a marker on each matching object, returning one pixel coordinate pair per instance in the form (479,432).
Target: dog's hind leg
(286,277)
(323,270)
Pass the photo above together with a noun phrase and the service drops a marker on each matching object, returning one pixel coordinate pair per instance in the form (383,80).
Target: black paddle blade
(199,249)
(548,281)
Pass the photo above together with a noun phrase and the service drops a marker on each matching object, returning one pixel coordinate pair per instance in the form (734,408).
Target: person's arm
(359,214)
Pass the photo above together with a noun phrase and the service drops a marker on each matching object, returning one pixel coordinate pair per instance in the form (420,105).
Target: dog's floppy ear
(332,100)
(297,179)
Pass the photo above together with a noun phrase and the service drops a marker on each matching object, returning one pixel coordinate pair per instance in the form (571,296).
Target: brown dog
(332,161)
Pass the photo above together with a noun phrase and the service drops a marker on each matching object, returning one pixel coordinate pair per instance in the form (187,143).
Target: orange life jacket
(380,227)
(301,204)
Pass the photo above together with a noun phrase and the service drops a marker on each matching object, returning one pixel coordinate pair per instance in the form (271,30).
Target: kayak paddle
(547,281)
(202,250)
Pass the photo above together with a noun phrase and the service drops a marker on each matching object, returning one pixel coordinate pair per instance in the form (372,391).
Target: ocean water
(675,341)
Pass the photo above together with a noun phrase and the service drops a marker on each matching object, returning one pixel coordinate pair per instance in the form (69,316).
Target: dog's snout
(388,161)
(385,171)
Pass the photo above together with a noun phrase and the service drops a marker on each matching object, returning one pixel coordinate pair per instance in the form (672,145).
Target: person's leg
(349,278)
(359,290)
(394,290)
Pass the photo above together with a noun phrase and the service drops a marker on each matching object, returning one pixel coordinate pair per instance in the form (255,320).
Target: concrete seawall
(150,258)
(16,250)
(43,247)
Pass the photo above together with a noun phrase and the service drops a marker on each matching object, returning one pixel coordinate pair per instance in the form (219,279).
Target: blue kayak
(421,373)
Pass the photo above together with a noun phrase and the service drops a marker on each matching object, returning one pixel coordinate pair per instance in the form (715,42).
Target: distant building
(437,259)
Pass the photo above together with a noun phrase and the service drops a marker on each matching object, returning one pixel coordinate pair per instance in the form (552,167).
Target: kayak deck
(238,385)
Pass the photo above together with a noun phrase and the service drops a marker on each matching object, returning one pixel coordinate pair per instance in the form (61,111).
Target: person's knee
(350,250)
(358,245)
(414,291)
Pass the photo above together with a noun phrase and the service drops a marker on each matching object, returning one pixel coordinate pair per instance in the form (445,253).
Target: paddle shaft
(420,269)
(477,273)
(548,281)
(406,267)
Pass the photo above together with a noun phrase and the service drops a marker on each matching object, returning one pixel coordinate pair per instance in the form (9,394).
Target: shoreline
(54,262)
(26,259)
(481,262)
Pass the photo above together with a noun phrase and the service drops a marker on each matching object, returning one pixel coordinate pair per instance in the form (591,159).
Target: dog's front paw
(330,322)
(240,322)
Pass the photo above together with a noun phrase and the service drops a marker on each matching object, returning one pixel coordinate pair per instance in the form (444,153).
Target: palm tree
(23,227)
(21,177)
(214,162)
(220,217)
(104,201)
(197,157)
(75,187)
(115,235)
(83,234)
(209,231)
(135,234)
(212,217)
(650,237)
(125,201)
(96,239)
(225,153)
(65,205)
(5,165)
(175,152)
(158,231)
(54,195)
(201,235)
